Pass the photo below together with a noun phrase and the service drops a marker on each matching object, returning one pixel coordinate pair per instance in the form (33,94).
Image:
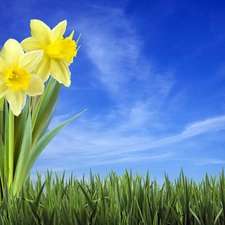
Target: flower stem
(11,147)
(1,117)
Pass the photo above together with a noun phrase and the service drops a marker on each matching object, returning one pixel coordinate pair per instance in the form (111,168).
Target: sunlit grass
(127,199)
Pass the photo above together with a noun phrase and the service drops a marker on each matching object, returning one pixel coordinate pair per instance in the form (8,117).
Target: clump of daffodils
(47,53)
(31,74)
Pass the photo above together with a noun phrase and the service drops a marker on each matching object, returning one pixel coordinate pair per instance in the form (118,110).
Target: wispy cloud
(93,143)
(136,87)
(115,48)
(111,44)
(136,158)
(209,125)
(208,161)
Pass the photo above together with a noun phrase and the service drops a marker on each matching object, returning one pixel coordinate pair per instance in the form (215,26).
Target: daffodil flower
(17,75)
(58,51)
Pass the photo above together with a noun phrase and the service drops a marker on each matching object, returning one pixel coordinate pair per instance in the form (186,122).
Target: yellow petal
(60,71)
(30,60)
(31,43)
(16,100)
(3,87)
(40,31)
(12,52)
(71,36)
(36,86)
(58,30)
(3,67)
(43,68)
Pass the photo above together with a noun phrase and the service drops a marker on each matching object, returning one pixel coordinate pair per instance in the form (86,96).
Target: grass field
(120,200)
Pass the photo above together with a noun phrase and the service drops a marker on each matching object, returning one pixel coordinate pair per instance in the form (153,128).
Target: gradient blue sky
(152,76)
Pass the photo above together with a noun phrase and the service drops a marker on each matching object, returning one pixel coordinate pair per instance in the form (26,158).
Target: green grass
(116,200)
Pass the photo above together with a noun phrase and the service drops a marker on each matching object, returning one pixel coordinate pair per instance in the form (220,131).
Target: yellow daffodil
(17,75)
(58,51)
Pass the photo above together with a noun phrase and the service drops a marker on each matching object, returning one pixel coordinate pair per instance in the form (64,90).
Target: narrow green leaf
(45,109)
(2,153)
(44,140)
(11,146)
(218,216)
(22,163)
(195,216)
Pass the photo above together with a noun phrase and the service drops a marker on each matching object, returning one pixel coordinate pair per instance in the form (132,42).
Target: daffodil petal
(36,86)
(40,31)
(3,87)
(60,71)
(16,100)
(58,30)
(43,68)
(31,43)
(30,60)
(12,52)
(2,66)
(71,36)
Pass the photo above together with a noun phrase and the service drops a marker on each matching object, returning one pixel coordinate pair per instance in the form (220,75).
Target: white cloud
(112,45)
(94,143)
(136,158)
(209,125)
(136,87)
(208,161)
(115,48)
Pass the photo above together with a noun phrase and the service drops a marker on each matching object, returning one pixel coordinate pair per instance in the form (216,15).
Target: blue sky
(152,76)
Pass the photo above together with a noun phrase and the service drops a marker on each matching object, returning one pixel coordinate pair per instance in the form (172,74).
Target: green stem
(11,147)
(6,143)
(37,105)
(2,150)
(1,116)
